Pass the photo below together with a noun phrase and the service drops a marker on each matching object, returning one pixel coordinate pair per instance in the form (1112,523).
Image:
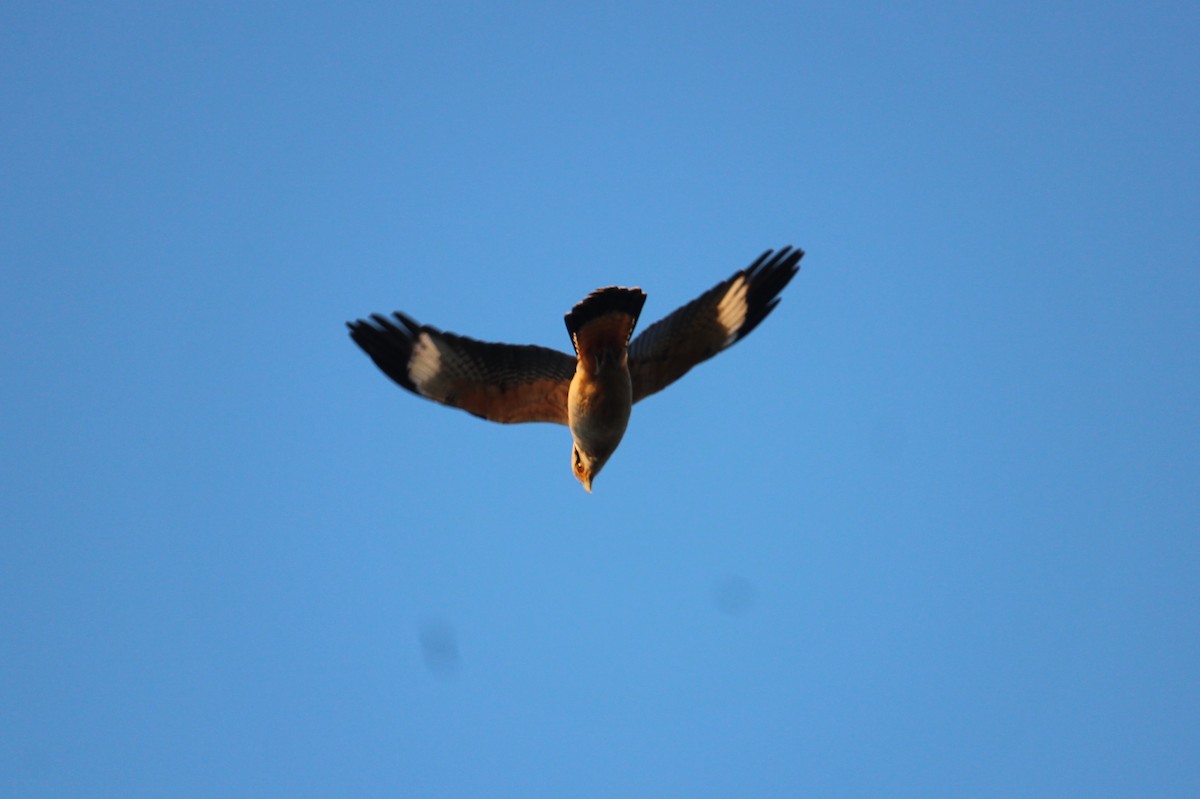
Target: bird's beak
(587,484)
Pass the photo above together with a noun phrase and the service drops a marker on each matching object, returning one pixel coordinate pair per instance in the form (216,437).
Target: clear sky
(932,530)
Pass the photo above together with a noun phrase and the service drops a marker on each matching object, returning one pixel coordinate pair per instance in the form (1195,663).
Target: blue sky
(931,530)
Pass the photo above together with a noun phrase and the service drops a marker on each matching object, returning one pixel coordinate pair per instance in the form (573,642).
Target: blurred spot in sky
(733,595)
(888,439)
(439,647)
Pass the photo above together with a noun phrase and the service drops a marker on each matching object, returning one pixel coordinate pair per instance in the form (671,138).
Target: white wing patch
(732,309)
(425,365)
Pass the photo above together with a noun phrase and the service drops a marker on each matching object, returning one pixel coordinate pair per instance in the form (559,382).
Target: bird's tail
(604,319)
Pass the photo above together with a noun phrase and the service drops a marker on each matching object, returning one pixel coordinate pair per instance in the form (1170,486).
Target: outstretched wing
(501,382)
(724,314)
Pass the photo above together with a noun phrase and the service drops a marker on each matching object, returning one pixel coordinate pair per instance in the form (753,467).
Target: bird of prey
(593,391)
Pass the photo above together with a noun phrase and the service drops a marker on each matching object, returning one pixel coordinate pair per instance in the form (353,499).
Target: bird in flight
(593,391)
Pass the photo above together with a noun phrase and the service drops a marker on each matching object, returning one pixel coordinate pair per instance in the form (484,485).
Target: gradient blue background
(932,530)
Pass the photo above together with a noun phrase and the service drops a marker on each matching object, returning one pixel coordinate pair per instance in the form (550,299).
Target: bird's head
(586,466)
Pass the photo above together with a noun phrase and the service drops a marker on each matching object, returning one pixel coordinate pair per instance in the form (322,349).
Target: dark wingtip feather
(387,345)
(767,277)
